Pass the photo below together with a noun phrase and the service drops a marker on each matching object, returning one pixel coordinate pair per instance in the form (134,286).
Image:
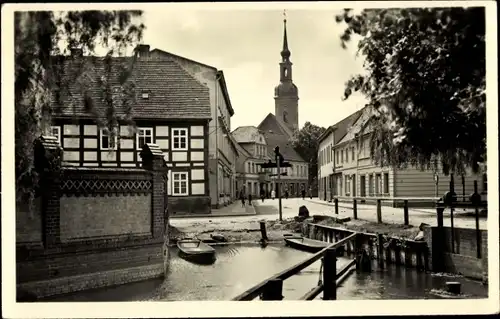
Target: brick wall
(45,266)
(107,215)
(94,221)
(29,222)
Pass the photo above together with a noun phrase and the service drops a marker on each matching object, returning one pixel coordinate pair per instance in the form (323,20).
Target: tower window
(285,117)
(286,72)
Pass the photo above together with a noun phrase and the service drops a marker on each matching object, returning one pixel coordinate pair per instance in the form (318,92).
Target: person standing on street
(262,194)
(242,198)
(250,199)
(303,193)
(273,194)
(310,193)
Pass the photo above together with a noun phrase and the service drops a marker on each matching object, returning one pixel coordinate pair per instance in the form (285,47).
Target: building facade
(346,169)
(253,178)
(253,148)
(171,109)
(221,147)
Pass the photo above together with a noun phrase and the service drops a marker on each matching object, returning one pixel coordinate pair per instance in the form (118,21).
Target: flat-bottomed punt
(196,251)
(304,244)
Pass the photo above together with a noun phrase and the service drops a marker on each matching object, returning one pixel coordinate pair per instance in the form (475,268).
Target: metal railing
(272,287)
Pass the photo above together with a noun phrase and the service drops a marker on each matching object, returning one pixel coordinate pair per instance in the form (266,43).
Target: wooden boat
(196,251)
(305,244)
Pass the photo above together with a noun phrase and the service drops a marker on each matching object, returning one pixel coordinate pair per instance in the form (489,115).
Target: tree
(425,83)
(305,142)
(38,61)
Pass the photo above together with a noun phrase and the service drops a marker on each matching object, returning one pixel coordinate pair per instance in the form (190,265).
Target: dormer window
(145,95)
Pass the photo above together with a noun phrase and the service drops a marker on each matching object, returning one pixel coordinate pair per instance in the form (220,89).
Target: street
(268,210)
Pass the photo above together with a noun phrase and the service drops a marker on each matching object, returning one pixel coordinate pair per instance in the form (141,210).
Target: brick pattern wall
(104,245)
(87,217)
(29,222)
(53,266)
(64,285)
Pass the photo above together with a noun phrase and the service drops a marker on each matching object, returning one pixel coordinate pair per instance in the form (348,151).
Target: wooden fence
(357,199)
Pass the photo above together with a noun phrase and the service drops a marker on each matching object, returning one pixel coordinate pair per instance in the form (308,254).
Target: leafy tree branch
(425,84)
(42,78)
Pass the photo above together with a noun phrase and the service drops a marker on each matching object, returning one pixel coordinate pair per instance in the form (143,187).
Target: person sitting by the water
(273,194)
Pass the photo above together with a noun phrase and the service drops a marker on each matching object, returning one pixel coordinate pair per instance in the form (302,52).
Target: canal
(239,267)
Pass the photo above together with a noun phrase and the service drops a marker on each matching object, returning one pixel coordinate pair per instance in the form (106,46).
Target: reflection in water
(403,283)
(239,267)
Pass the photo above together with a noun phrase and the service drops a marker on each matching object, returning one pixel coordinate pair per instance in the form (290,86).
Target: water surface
(239,267)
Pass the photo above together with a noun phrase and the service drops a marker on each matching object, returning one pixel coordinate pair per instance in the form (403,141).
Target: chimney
(142,50)
(76,52)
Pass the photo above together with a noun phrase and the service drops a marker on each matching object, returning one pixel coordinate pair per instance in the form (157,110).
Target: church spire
(285,53)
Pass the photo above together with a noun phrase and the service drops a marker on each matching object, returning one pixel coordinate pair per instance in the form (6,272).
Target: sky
(246,45)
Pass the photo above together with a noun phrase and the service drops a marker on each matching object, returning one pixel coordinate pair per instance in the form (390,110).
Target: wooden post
(440,216)
(263,231)
(355,209)
(452,233)
(408,257)
(336,206)
(330,275)
(397,254)
(463,188)
(453,287)
(273,290)
(357,252)
(405,211)
(380,250)
(363,261)
(438,242)
(379,211)
(476,200)
(452,192)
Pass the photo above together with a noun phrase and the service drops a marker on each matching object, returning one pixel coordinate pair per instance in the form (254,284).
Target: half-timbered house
(154,101)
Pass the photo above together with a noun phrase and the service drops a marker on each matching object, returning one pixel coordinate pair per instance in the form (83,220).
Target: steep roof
(172,92)
(341,127)
(247,134)
(277,135)
(286,148)
(356,126)
(161,54)
(272,123)
(242,152)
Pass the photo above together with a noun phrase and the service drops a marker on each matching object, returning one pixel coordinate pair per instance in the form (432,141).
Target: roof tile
(173,93)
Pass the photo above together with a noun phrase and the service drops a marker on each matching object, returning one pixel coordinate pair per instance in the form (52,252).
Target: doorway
(362,186)
(353,185)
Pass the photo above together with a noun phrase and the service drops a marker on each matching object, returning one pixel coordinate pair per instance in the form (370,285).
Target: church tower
(286,98)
